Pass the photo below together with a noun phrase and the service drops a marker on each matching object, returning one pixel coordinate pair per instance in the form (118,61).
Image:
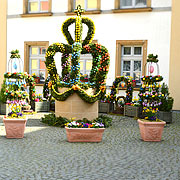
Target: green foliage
(15,54)
(3,97)
(52,120)
(167,102)
(152,58)
(107,121)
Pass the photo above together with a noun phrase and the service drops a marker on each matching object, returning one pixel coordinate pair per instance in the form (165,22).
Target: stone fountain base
(75,107)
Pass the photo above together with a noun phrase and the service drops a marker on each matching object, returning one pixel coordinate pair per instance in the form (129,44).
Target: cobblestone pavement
(44,153)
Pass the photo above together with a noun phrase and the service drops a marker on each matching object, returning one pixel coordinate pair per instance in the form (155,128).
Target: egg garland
(71,74)
(149,94)
(23,79)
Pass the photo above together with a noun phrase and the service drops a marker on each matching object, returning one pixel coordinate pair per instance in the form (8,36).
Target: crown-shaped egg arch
(71,74)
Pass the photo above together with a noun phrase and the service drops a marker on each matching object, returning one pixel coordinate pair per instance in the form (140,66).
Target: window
(131,58)
(85,64)
(36,8)
(132,6)
(86,4)
(133,3)
(90,6)
(37,62)
(34,58)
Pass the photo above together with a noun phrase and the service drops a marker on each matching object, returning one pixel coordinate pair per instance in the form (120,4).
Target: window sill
(39,84)
(86,12)
(36,14)
(134,88)
(132,10)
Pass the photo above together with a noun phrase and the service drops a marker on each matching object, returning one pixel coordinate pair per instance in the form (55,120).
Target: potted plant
(84,132)
(133,109)
(151,128)
(40,105)
(36,78)
(105,105)
(15,122)
(165,109)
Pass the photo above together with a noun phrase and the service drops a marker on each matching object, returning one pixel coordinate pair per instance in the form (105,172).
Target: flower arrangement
(135,102)
(38,98)
(75,124)
(150,113)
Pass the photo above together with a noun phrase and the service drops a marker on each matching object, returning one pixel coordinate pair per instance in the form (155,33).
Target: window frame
(135,43)
(90,11)
(27,45)
(132,58)
(119,9)
(26,12)
(133,5)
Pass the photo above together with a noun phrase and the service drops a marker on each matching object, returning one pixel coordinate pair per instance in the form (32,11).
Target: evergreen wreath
(129,90)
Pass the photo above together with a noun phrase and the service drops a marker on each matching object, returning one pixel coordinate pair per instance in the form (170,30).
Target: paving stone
(44,153)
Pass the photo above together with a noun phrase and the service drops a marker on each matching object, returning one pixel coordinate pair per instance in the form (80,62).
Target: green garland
(151,79)
(115,86)
(82,93)
(71,75)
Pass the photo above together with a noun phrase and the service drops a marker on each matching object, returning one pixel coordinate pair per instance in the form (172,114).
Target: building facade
(129,29)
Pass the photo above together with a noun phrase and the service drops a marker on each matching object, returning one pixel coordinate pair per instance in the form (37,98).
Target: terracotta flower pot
(151,131)
(14,127)
(84,134)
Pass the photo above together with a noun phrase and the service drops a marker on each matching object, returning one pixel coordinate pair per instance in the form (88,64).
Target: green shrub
(107,121)
(52,120)
(167,102)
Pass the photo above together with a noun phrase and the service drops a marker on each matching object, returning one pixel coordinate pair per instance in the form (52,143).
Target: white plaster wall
(107,4)
(152,26)
(15,7)
(59,6)
(161,3)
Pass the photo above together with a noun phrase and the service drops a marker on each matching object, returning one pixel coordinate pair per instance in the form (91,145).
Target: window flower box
(41,106)
(105,107)
(4,108)
(132,111)
(165,116)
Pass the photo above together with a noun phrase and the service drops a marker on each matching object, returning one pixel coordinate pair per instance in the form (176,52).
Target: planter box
(84,134)
(105,107)
(4,109)
(40,106)
(132,111)
(14,127)
(165,116)
(151,131)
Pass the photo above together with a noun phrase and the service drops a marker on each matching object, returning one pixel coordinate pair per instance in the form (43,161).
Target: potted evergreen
(165,109)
